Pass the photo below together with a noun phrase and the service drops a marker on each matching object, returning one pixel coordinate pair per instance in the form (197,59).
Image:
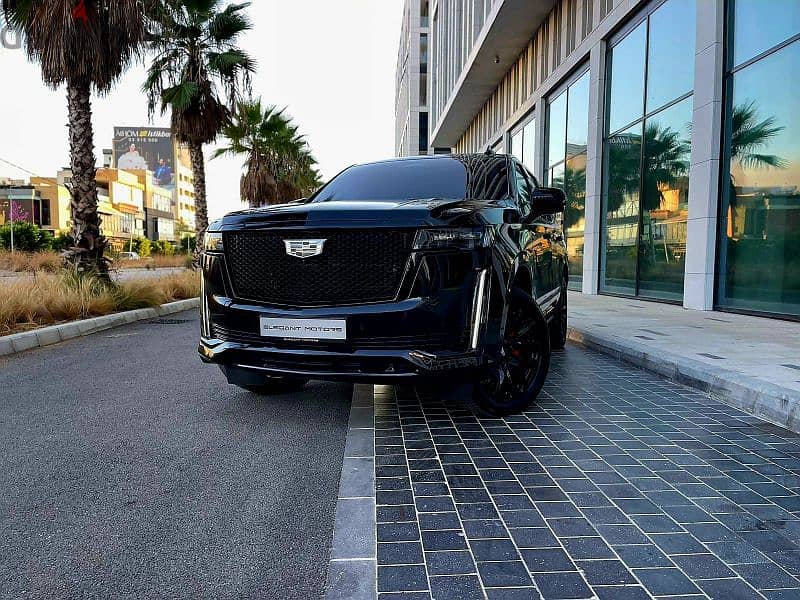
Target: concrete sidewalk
(749,362)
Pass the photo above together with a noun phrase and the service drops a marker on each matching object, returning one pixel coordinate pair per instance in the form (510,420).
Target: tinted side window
(523,190)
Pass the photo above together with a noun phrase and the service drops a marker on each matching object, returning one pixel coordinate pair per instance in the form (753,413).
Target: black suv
(394,271)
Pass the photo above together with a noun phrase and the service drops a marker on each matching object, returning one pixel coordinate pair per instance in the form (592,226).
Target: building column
(540,140)
(704,189)
(594,169)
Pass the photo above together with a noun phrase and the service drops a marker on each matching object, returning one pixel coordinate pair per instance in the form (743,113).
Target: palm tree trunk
(199,172)
(87,253)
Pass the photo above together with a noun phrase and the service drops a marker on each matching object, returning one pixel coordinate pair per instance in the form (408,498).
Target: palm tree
(198,74)
(278,164)
(748,135)
(85,44)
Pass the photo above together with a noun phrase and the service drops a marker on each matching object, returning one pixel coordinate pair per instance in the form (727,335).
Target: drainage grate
(168,321)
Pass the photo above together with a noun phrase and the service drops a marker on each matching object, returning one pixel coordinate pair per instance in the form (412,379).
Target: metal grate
(356,266)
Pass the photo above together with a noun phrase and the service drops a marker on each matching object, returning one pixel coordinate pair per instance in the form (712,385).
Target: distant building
(159,217)
(56,204)
(155,149)
(411,104)
(20,201)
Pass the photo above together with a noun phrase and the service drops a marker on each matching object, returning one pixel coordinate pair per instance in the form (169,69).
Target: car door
(533,244)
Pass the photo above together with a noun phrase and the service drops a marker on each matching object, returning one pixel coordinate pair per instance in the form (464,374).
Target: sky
(331,63)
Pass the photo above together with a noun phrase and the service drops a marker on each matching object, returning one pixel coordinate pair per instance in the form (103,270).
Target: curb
(353,566)
(46,336)
(767,401)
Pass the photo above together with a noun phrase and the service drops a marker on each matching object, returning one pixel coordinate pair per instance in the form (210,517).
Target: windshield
(449,178)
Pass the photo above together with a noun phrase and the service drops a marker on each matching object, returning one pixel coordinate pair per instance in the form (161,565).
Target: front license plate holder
(303,329)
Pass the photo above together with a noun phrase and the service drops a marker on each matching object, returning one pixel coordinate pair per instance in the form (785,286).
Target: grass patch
(50,298)
(51,262)
(19,262)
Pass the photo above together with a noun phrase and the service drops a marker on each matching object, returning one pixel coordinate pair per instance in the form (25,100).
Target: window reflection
(760,234)
(670,61)
(665,202)
(523,144)
(556,127)
(529,145)
(626,96)
(622,167)
(567,132)
(516,145)
(757,28)
(646,167)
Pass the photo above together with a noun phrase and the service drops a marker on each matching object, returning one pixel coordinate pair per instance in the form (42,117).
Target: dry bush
(152,262)
(52,298)
(179,286)
(19,262)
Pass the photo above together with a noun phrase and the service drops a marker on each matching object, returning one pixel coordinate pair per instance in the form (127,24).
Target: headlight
(459,238)
(213,242)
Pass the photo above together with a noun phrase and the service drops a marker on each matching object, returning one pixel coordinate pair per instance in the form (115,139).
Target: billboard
(146,148)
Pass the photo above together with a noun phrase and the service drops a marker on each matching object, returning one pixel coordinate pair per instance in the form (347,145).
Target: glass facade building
(759,234)
(646,152)
(673,127)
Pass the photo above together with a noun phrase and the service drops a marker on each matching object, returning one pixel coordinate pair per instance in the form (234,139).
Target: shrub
(164,248)
(46,298)
(61,242)
(143,247)
(27,237)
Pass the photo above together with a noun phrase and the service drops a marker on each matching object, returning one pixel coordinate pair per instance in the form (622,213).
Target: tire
(276,385)
(516,376)
(558,325)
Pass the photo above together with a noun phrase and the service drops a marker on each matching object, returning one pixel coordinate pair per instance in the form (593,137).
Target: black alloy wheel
(515,375)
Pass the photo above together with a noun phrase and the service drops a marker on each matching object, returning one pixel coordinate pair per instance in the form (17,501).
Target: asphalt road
(129,469)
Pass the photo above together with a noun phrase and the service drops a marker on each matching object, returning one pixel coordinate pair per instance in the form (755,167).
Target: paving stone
(615,485)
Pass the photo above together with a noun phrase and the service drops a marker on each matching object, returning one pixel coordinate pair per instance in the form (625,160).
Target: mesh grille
(355,266)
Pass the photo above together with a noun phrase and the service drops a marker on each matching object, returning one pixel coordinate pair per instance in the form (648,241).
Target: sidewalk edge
(768,401)
(353,568)
(54,334)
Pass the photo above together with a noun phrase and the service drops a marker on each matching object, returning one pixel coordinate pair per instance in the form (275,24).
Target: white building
(411,105)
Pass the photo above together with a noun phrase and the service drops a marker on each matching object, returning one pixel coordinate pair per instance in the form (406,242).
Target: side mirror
(547,201)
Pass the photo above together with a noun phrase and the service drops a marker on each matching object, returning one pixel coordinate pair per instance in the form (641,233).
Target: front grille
(356,266)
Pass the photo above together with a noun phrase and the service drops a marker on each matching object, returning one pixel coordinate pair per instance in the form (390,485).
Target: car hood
(430,212)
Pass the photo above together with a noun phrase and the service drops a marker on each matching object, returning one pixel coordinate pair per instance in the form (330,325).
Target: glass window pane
(556,130)
(760,241)
(574,215)
(626,96)
(621,200)
(575,176)
(670,70)
(516,145)
(758,27)
(665,202)
(578,115)
(529,145)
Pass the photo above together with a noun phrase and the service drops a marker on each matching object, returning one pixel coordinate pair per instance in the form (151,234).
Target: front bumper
(431,334)
(358,365)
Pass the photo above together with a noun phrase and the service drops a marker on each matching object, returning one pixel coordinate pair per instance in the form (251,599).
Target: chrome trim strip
(478,308)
